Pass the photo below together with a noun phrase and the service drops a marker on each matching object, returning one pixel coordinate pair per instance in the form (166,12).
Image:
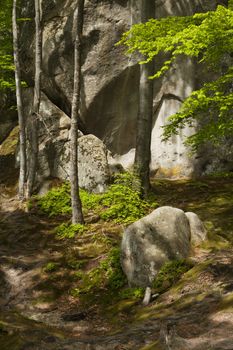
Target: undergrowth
(69,230)
(170,273)
(122,203)
(56,201)
(106,279)
(107,275)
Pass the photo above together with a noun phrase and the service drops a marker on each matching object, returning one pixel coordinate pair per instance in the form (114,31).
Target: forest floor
(38,274)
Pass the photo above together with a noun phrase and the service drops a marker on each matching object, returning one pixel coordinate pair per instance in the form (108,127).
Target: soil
(39,312)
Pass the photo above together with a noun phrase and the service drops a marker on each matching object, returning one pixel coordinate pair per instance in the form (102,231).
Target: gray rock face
(54,156)
(92,159)
(8,116)
(110,80)
(148,243)
(198,231)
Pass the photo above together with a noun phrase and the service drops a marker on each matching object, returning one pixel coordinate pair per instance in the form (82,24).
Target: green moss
(223,174)
(121,306)
(132,293)
(170,273)
(51,267)
(10,144)
(108,274)
(226,303)
(191,275)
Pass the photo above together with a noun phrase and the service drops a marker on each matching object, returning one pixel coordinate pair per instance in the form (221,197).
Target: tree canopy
(207,37)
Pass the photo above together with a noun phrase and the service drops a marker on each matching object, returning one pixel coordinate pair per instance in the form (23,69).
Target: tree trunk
(21,119)
(77,215)
(144,121)
(36,103)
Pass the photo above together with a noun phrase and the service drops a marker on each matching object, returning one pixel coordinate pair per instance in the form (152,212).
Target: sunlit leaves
(207,37)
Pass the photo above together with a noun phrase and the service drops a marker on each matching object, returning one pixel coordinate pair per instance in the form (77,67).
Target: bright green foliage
(132,293)
(123,200)
(170,273)
(208,38)
(215,102)
(69,230)
(121,203)
(108,275)
(56,201)
(90,201)
(51,267)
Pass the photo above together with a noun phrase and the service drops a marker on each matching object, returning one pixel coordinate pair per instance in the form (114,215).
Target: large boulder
(54,154)
(148,243)
(92,161)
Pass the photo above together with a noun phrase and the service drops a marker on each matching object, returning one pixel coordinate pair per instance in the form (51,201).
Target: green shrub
(170,273)
(123,200)
(90,201)
(111,266)
(69,230)
(51,267)
(56,201)
(108,275)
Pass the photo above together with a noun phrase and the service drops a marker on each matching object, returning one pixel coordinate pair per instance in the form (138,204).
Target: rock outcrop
(8,115)
(54,155)
(109,105)
(148,243)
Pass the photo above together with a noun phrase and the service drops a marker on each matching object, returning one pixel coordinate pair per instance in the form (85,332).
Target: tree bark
(21,118)
(144,121)
(77,215)
(36,103)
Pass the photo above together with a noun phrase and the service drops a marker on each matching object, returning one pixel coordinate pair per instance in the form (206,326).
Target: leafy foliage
(69,230)
(108,275)
(123,200)
(56,201)
(51,267)
(132,293)
(208,38)
(121,203)
(170,273)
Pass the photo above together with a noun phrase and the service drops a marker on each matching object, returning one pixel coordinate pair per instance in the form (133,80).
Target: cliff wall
(110,85)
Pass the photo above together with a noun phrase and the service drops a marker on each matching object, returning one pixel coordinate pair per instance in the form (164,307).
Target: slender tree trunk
(21,119)
(36,103)
(77,215)
(144,121)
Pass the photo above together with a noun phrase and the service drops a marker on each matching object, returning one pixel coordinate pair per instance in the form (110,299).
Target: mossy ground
(78,273)
(86,284)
